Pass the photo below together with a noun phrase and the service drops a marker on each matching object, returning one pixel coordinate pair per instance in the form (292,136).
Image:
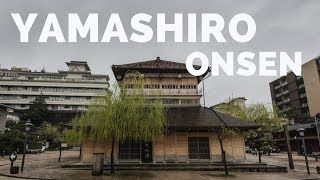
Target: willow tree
(123,113)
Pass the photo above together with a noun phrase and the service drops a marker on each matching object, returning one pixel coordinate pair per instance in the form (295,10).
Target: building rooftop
(79,63)
(232,100)
(152,66)
(202,117)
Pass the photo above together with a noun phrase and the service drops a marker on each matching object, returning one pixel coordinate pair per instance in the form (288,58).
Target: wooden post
(59,151)
(97,164)
(80,153)
(287,137)
(305,155)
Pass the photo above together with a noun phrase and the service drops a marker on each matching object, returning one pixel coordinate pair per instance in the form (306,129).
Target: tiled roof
(202,117)
(154,64)
(199,117)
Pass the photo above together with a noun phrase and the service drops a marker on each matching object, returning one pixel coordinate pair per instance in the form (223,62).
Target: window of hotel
(188,86)
(189,101)
(34,89)
(132,86)
(170,101)
(170,86)
(198,148)
(152,86)
(130,150)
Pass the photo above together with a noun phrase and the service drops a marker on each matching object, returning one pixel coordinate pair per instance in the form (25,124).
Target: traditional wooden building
(191,136)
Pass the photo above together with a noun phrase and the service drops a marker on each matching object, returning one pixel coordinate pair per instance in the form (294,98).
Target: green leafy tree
(37,112)
(232,109)
(48,132)
(12,139)
(121,114)
(262,114)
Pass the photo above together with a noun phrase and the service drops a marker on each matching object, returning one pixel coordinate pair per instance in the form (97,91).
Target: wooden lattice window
(199,148)
(130,150)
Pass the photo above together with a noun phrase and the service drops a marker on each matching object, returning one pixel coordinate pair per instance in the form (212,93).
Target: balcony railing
(279,103)
(277,87)
(285,92)
(285,83)
(286,100)
(56,80)
(303,95)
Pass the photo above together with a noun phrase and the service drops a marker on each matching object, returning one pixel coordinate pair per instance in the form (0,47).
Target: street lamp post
(301,132)
(60,131)
(297,144)
(258,143)
(27,126)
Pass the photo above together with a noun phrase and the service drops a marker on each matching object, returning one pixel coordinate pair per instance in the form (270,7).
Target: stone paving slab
(46,166)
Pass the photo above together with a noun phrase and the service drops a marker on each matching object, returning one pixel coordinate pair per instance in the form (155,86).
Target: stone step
(243,167)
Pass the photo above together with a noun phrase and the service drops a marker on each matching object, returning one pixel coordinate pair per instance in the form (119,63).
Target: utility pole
(287,138)
(203,94)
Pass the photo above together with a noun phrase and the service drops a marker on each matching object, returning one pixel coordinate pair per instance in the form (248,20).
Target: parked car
(254,152)
(248,149)
(275,150)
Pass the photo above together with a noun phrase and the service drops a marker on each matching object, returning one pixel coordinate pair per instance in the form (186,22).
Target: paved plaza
(46,166)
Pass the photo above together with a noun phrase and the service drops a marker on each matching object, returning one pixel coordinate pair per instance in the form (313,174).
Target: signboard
(64,145)
(146,152)
(13,157)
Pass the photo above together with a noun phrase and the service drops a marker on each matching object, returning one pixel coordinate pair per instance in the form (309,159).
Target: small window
(198,148)
(130,150)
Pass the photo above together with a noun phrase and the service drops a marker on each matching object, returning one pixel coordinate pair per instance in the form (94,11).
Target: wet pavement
(46,166)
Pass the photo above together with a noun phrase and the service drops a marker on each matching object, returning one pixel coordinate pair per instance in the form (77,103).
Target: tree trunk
(60,151)
(112,152)
(223,156)
(80,153)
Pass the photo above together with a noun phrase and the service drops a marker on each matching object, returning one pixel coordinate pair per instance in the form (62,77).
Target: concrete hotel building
(65,92)
(311,76)
(289,94)
(298,96)
(191,136)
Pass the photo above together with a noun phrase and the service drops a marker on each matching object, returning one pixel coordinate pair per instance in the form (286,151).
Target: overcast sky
(287,25)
